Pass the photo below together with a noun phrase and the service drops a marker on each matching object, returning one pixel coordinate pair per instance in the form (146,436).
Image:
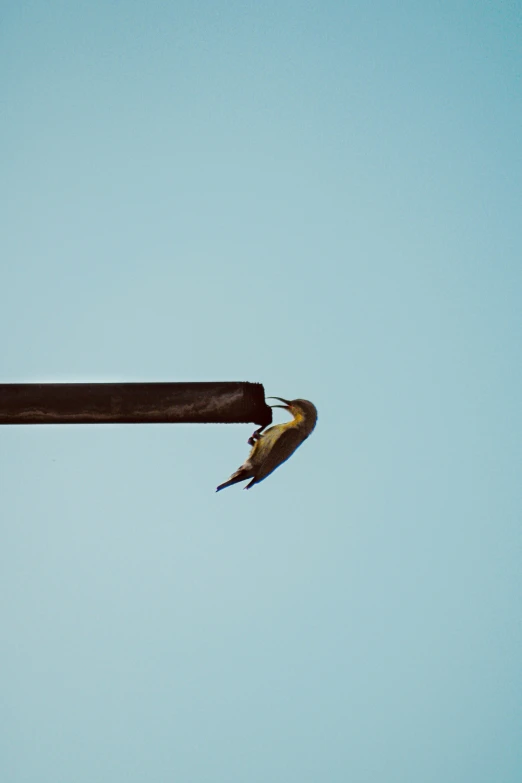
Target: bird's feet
(255,436)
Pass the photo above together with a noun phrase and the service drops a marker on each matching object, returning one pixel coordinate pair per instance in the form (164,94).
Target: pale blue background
(325,197)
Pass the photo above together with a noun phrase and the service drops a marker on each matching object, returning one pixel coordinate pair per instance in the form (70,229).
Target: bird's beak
(285,406)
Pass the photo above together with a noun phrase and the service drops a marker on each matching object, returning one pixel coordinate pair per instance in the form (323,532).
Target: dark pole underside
(133,403)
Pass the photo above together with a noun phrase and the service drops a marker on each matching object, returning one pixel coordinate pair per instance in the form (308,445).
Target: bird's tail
(239,475)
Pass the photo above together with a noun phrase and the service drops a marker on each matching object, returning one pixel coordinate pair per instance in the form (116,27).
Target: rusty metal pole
(133,403)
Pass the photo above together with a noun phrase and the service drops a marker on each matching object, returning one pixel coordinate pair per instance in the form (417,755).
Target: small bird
(273,447)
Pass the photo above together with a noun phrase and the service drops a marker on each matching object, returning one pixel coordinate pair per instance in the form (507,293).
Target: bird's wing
(286,445)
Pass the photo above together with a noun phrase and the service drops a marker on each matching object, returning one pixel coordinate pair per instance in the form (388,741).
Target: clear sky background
(327,198)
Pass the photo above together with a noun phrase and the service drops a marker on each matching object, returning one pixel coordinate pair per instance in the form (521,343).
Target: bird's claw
(255,436)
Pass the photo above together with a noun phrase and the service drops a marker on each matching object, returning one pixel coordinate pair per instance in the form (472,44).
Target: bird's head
(302,410)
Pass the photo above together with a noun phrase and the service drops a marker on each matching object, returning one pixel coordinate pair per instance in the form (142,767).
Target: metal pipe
(133,403)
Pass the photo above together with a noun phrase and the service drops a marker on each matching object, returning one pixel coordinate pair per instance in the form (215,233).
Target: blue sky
(324,197)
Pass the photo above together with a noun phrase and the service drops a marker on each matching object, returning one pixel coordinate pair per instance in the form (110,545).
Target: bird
(274,446)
